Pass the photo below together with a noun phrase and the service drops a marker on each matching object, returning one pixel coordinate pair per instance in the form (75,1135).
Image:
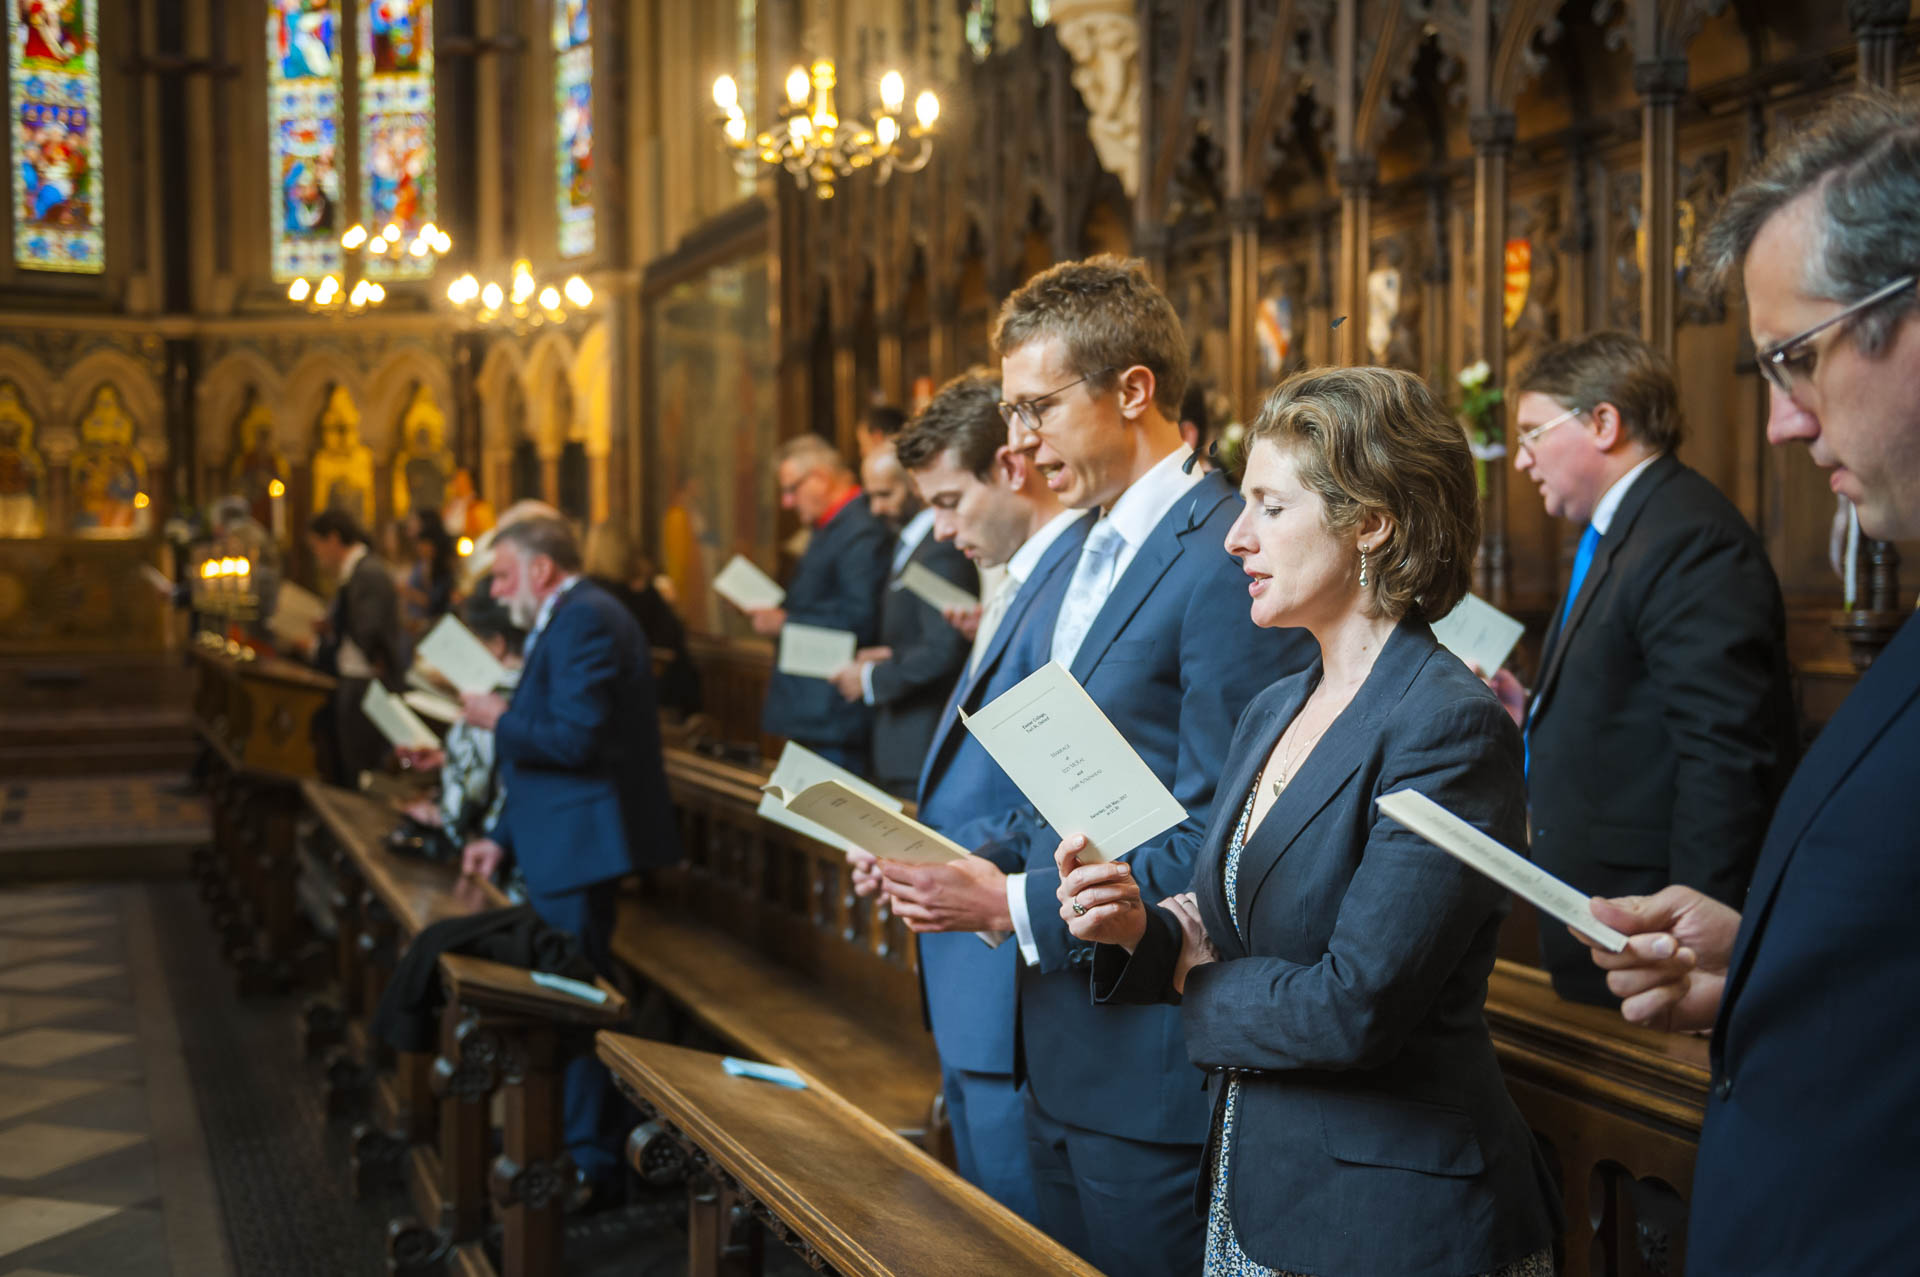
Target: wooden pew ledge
(414,891)
(764,1010)
(1591,1050)
(835,1183)
(512,990)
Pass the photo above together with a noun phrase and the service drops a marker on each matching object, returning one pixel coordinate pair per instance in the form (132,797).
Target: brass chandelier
(811,142)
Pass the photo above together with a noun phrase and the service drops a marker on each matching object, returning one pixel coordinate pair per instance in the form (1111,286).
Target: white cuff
(1022,925)
(866,681)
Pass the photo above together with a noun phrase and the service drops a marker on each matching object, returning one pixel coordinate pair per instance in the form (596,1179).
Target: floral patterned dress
(1224,1256)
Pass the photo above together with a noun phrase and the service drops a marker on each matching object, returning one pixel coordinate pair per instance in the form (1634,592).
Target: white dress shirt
(544,615)
(910,538)
(1609,503)
(1014,574)
(1131,521)
(349,660)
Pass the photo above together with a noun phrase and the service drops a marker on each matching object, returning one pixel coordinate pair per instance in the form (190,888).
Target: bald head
(890,493)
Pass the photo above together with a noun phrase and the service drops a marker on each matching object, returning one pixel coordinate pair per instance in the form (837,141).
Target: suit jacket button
(1724,1090)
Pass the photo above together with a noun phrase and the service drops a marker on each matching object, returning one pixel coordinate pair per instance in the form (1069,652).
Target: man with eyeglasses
(1808,1158)
(1152,621)
(1661,728)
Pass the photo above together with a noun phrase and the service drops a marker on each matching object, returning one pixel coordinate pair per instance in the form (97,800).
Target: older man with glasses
(1661,728)
(1808,1159)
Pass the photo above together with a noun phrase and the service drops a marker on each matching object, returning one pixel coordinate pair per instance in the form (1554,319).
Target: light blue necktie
(1582,560)
(1087,592)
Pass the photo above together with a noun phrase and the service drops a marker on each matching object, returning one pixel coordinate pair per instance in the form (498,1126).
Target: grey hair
(1863,154)
(813,452)
(542,534)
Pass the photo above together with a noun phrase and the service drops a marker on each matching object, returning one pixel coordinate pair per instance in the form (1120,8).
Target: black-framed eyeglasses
(1027,411)
(1789,364)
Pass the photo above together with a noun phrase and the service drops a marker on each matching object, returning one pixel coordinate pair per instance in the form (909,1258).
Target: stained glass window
(58,189)
(573,113)
(303,116)
(396,125)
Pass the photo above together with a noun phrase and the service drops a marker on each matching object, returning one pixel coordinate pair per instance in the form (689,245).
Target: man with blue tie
(586,791)
(1662,727)
(1151,621)
(990,503)
(1812,988)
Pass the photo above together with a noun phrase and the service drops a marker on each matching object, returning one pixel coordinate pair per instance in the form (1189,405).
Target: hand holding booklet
(744,585)
(1516,873)
(395,719)
(1073,764)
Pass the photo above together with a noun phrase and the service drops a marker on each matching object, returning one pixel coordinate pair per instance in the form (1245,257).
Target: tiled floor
(95,1118)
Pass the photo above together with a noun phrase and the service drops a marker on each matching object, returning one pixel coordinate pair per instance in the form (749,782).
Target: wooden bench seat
(829,1180)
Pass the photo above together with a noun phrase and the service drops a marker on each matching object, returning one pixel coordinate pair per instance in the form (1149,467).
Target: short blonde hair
(1377,440)
(607,553)
(1110,316)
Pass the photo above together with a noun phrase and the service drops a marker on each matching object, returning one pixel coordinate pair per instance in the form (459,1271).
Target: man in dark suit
(579,757)
(362,641)
(836,585)
(907,677)
(1807,1161)
(1662,727)
(991,505)
(1151,622)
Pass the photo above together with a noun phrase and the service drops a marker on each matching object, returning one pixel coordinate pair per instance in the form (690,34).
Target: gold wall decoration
(423,463)
(23,475)
(343,465)
(108,476)
(257,472)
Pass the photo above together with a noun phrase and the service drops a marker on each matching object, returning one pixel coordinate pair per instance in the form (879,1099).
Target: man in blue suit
(836,585)
(990,503)
(1152,622)
(579,755)
(1807,1159)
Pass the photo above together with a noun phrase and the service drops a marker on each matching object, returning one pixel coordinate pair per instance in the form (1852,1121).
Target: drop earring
(1363,567)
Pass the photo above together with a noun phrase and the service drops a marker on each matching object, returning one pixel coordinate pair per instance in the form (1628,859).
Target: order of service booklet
(461,658)
(1479,632)
(395,719)
(1073,764)
(744,585)
(1516,873)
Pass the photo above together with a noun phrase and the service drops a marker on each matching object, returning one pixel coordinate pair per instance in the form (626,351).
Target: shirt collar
(1020,567)
(352,561)
(853,494)
(1609,503)
(545,613)
(916,531)
(1141,507)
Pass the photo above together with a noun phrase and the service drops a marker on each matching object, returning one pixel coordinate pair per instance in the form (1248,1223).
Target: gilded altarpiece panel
(23,475)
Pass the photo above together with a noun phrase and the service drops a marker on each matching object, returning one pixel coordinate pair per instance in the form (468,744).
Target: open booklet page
(1516,873)
(295,612)
(398,723)
(460,658)
(744,585)
(1074,765)
(800,767)
(433,705)
(1478,632)
(933,589)
(811,651)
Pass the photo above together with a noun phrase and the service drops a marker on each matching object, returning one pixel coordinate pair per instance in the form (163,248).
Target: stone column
(1493,135)
(1660,82)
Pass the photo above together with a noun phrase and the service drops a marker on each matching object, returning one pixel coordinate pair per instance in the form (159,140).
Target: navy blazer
(835,585)
(1172,658)
(1663,724)
(969,987)
(1374,1132)
(579,752)
(1808,1159)
(928,657)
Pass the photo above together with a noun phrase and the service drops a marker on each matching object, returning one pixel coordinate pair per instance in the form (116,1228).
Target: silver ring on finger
(1079,910)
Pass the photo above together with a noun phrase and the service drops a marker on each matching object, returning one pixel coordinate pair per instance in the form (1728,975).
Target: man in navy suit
(579,755)
(991,505)
(910,674)
(1152,622)
(1807,1159)
(836,585)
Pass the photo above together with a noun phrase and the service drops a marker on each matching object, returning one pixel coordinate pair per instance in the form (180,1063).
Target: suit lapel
(1610,545)
(1333,761)
(1163,545)
(1883,693)
(1231,796)
(1064,550)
